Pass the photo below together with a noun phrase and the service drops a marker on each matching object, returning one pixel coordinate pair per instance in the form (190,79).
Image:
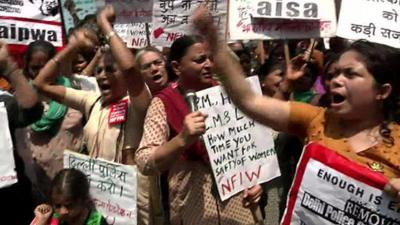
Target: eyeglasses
(147,66)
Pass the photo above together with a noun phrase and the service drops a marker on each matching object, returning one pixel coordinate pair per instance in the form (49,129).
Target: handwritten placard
(171,19)
(376,21)
(287,9)
(113,186)
(307,20)
(331,189)
(134,34)
(132,11)
(241,151)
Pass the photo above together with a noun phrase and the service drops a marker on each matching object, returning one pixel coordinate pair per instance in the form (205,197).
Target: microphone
(191,98)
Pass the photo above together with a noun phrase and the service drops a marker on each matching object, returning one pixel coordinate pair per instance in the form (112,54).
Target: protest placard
(241,151)
(75,11)
(132,11)
(171,19)
(302,22)
(8,175)
(113,186)
(287,9)
(331,189)
(25,21)
(134,34)
(381,24)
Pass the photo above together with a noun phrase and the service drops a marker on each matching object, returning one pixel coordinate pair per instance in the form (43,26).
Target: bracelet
(109,35)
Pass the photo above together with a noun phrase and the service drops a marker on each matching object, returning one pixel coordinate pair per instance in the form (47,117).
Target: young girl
(71,203)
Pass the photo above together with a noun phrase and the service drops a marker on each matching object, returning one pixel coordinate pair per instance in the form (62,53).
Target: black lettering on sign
(290,9)
(23,33)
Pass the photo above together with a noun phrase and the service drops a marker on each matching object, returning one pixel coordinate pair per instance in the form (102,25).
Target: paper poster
(241,151)
(134,34)
(330,189)
(307,19)
(376,21)
(171,19)
(113,186)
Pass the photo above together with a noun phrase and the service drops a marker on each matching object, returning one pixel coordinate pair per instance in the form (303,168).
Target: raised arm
(137,89)
(24,93)
(268,111)
(81,39)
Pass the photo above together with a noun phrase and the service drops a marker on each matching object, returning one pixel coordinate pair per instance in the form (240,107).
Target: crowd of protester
(344,96)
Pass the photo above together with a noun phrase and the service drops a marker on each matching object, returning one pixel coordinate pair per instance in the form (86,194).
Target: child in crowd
(70,202)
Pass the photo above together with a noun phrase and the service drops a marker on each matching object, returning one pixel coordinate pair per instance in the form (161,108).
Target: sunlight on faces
(354,91)
(36,63)
(195,70)
(110,79)
(154,73)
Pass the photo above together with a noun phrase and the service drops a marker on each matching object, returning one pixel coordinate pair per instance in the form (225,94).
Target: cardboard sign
(113,187)
(287,9)
(376,21)
(243,26)
(241,151)
(331,189)
(171,19)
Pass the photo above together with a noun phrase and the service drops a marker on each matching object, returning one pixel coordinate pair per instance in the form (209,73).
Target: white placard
(376,21)
(241,151)
(243,27)
(287,9)
(113,186)
(134,34)
(330,189)
(132,11)
(171,19)
(8,175)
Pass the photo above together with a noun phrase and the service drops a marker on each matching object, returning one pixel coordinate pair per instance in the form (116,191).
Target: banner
(331,189)
(171,19)
(134,34)
(376,21)
(287,9)
(241,151)
(307,19)
(75,11)
(113,187)
(25,21)
(132,11)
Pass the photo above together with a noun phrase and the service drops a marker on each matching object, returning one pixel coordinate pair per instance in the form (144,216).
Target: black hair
(383,63)
(36,46)
(269,66)
(178,50)
(72,184)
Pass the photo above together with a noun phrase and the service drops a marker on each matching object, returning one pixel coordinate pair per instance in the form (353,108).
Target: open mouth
(157,77)
(104,86)
(337,98)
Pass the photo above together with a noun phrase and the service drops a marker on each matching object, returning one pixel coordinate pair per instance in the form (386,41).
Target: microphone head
(190,97)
